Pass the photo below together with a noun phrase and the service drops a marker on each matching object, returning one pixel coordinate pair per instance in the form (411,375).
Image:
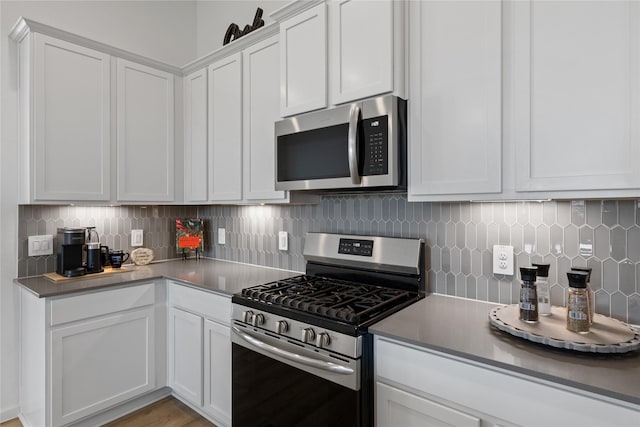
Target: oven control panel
(359,247)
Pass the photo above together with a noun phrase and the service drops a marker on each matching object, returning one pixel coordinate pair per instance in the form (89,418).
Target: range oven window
(269,393)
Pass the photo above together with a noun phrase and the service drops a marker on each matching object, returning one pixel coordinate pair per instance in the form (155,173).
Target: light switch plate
(283,241)
(222,238)
(41,245)
(136,238)
(503,260)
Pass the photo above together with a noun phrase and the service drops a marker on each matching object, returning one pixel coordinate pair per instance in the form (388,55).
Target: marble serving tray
(606,335)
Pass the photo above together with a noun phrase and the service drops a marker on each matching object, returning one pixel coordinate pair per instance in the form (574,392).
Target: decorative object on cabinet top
(607,335)
(234,32)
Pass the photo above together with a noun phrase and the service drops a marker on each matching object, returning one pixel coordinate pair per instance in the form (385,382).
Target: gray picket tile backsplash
(604,235)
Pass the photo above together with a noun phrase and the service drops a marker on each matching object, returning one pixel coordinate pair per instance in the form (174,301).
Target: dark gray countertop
(461,327)
(224,277)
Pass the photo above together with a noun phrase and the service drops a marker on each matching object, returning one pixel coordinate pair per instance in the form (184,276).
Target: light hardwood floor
(168,412)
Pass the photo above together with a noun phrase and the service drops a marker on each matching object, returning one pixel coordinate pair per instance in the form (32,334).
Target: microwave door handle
(354,118)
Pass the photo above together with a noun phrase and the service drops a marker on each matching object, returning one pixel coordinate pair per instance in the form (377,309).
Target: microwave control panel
(375,134)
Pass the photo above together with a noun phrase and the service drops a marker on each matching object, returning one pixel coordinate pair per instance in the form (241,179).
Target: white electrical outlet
(41,245)
(503,260)
(222,238)
(283,241)
(136,238)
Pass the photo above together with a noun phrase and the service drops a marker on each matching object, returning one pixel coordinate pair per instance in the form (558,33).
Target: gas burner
(349,302)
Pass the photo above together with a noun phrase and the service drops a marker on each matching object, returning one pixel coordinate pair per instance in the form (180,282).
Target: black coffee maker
(70,242)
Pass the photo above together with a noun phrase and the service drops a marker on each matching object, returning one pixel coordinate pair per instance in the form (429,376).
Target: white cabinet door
(261,105)
(455,91)
(217,371)
(185,357)
(225,124)
(362,48)
(195,137)
(145,133)
(577,95)
(303,62)
(395,407)
(497,396)
(101,362)
(70,121)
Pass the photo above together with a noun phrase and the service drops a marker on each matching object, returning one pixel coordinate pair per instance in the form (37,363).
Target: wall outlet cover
(283,241)
(136,238)
(503,260)
(41,245)
(222,238)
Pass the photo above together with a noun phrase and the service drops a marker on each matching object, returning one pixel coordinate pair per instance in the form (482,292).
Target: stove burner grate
(341,300)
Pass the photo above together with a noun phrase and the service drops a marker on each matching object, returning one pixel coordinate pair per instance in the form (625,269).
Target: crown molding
(25,26)
(293,8)
(235,46)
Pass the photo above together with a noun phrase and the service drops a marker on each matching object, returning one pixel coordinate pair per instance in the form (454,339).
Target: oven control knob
(281,327)
(323,340)
(308,335)
(258,320)
(247,316)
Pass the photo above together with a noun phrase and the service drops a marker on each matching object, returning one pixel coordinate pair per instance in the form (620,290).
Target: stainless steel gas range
(302,355)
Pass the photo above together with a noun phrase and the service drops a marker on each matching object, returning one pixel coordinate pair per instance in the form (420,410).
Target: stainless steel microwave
(362,145)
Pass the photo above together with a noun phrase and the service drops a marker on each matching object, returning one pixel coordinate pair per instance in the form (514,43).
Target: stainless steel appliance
(301,354)
(358,146)
(69,245)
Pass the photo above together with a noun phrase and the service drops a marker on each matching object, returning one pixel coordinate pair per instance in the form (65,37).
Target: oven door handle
(352,140)
(309,361)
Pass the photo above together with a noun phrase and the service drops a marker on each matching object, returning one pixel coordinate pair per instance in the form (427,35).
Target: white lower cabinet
(200,351)
(416,386)
(217,370)
(185,357)
(101,362)
(400,408)
(87,353)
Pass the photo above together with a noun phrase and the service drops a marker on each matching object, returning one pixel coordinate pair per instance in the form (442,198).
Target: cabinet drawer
(96,304)
(207,304)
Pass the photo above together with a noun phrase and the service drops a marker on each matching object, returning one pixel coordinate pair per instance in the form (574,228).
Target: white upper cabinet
(337,51)
(195,137)
(225,124)
(455,109)
(261,105)
(145,133)
(65,121)
(243,103)
(303,62)
(362,48)
(577,95)
(86,111)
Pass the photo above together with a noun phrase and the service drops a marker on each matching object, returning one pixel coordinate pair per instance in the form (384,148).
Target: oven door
(279,383)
